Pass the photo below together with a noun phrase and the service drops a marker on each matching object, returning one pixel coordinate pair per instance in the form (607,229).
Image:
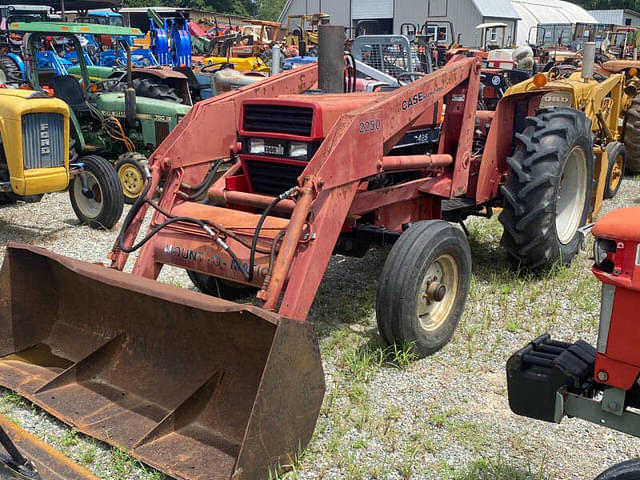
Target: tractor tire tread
(113,201)
(528,216)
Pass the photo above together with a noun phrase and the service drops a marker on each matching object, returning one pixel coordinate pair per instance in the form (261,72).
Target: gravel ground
(445,416)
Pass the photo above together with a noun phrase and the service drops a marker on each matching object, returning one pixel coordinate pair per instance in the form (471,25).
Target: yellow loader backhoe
(36,157)
(605,102)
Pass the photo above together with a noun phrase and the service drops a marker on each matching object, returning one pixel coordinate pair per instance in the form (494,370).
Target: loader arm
(189,148)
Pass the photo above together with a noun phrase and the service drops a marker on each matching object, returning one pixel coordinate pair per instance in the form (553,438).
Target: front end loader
(36,158)
(199,387)
(550,379)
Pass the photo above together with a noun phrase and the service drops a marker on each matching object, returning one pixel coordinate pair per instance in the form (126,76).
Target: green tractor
(107,117)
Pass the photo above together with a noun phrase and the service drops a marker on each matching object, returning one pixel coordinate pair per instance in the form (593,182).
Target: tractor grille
(42,140)
(270,178)
(278,119)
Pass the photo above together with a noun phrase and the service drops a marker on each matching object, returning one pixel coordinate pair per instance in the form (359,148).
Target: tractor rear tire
(616,157)
(9,70)
(423,287)
(130,168)
(217,287)
(547,196)
(104,209)
(632,136)
(629,470)
(152,88)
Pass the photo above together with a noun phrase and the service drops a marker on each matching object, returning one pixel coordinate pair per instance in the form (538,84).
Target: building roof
(285,11)
(496,9)
(535,12)
(70,4)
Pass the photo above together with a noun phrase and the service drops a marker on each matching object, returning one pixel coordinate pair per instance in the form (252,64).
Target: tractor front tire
(547,196)
(629,470)
(632,135)
(102,206)
(423,287)
(130,168)
(616,156)
(217,287)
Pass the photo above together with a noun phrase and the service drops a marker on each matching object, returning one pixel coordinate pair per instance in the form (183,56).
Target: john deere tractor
(35,159)
(107,117)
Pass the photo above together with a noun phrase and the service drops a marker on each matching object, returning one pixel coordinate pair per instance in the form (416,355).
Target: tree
(270,9)
(243,8)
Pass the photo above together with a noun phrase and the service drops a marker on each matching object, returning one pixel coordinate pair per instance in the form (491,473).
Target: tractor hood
(113,104)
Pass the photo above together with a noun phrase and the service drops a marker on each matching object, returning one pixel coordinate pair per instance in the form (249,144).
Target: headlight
(601,250)
(256,146)
(298,150)
(496,80)
(556,99)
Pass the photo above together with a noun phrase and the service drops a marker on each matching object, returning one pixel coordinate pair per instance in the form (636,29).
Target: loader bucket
(197,387)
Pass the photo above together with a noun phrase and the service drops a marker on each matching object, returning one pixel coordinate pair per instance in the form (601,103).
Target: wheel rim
(90,207)
(571,195)
(616,173)
(431,313)
(131,180)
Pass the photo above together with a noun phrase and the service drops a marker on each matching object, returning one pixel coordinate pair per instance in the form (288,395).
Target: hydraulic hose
(263,217)
(171,219)
(202,187)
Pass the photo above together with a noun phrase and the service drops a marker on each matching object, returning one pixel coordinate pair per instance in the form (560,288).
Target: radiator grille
(270,178)
(42,140)
(278,119)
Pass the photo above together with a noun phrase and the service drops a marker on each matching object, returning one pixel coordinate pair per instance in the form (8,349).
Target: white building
(388,16)
(620,17)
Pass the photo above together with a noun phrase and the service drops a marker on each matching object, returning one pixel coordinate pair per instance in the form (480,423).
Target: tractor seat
(67,88)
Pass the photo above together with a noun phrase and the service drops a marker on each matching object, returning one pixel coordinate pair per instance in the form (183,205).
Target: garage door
(371,9)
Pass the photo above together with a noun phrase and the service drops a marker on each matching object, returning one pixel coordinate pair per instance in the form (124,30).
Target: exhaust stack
(588,60)
(331,58)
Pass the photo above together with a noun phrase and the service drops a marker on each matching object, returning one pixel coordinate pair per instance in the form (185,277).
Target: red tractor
(231,390)
(550,379)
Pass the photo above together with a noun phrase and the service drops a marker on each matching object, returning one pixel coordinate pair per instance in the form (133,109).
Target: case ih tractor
(35,159)
(201,387)
(550,379)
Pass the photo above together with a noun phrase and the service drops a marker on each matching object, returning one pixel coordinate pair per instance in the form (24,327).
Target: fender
(19,62)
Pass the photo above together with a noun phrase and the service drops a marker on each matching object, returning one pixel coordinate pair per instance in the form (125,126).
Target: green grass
(457,395)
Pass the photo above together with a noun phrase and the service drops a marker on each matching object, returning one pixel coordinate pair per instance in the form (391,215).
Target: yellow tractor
(37,157)
(304,29)
(605,102)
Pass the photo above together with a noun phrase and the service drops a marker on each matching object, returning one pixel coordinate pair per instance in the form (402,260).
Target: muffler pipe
(588,60)
(331,58)
(275,60)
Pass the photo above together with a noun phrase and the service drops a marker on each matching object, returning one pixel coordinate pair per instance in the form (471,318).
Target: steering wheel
(218,66)
(562,70)
(408,77)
